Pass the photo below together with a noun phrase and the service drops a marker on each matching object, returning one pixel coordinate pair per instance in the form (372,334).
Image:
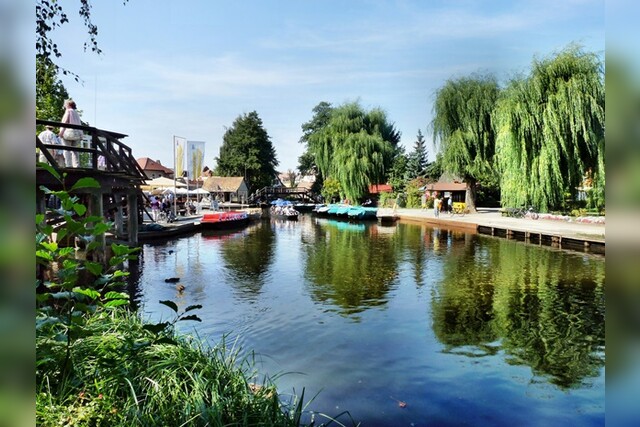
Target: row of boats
(287,210)
(234,219)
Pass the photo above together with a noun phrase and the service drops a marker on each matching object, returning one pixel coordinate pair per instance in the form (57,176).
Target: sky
(190,68)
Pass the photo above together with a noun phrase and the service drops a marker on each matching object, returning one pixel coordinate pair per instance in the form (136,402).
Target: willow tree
(462,129)
(550,130)
(355,147)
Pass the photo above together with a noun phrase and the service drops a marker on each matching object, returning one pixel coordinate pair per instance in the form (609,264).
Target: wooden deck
(110,162)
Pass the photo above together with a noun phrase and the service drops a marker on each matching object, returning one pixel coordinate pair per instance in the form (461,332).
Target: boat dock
(588,237)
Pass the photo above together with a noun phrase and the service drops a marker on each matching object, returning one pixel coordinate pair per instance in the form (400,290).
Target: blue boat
(360,212)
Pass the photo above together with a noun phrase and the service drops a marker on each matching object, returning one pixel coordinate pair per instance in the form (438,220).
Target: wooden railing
(105,152)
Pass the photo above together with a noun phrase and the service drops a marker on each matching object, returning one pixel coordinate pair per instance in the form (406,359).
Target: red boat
(224,219)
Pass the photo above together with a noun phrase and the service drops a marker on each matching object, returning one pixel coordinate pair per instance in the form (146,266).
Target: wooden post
(132,218)
(95,208)
(119,216)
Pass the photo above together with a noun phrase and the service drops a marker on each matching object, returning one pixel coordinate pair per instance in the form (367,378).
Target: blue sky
(190,68)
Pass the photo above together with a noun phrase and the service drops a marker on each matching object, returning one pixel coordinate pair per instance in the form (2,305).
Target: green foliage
(550,128)
(129,378)
(50,92)
(331,189)
(462,127)
(417,160)
(413,193)
(355,147)
(71,287)
(247,151)
(386,199)
(397,174)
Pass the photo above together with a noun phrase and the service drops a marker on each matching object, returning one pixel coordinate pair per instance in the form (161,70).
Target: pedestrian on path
(436,206)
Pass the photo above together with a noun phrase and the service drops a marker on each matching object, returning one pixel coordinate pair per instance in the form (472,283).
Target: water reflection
(407,311)
(545,308)
(347,268)
(248,259)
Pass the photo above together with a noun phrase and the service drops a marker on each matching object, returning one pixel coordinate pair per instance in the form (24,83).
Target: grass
(121,374)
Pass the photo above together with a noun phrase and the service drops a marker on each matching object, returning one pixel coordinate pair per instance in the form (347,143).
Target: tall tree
(462,129)
(355,147)
(551,129)
(247,151)
(50,92)
(417,158)
(307,162)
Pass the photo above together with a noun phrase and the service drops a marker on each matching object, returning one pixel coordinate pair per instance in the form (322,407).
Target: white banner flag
(179,154)
(195,158)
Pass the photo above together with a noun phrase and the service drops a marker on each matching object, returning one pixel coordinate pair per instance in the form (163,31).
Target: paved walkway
(493,218)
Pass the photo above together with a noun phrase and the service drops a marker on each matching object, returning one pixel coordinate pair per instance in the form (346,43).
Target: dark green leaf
(156,328)
(193,307)
(172,305)
(85,183)
(191,317)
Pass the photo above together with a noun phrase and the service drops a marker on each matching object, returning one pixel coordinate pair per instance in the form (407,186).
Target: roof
(380,188)
(146,164)
(446,186)
(223,183)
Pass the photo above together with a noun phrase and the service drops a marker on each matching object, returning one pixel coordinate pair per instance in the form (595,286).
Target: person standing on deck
(48,137)
(436,206)
(71,137)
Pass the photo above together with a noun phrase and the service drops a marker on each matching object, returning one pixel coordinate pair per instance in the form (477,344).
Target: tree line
(538,138)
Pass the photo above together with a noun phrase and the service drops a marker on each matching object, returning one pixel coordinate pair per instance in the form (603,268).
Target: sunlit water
(464,329)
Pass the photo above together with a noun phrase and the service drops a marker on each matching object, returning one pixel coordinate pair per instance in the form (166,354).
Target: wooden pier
(106,159)
(558,234)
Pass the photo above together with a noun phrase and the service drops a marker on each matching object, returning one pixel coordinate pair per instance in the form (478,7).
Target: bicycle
(458,209)
(523,213)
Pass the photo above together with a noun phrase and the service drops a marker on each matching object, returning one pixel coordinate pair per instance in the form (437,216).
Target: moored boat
(224,219)
(283,209)
(360,212)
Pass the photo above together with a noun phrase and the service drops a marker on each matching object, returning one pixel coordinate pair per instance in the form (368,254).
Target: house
(227,188)
(448,187)
(154,169)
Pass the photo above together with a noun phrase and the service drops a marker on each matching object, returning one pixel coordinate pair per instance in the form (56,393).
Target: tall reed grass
(120,374)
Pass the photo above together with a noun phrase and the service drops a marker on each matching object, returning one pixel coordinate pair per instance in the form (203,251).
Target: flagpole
(175,213)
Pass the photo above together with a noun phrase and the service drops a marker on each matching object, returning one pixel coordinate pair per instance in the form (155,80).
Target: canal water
(406,325)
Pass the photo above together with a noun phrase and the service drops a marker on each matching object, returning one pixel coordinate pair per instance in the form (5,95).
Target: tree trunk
(470,195)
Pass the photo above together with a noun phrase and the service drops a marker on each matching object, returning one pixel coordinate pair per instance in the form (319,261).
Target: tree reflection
(249,258)
(547,310)
(348,266)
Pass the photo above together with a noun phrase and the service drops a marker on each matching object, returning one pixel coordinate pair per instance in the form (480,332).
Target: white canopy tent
(198,191)
(177,191)
(163,182)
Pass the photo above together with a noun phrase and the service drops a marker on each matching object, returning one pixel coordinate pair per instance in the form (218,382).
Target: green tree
(550,128)
(50,92)
(397,176)
(307,162)
(355,147)
(462,128)
(247,151)
(417,158)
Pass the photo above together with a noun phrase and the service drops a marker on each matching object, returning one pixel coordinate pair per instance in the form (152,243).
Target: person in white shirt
(48,137)
(71,137)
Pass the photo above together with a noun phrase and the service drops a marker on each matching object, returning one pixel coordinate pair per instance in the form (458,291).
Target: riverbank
(570,234)
(125,373)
